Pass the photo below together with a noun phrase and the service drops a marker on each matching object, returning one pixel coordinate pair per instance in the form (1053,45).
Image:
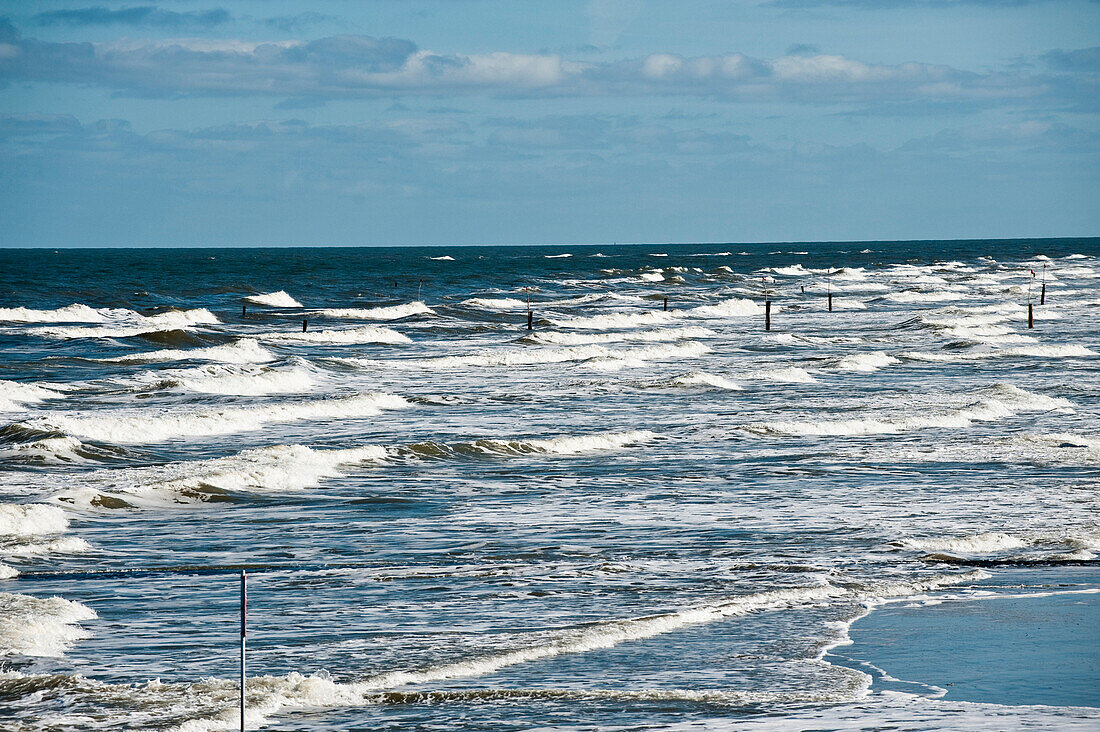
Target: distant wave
(444,258)
(363,334)
(1059,351)
(996,402)
(75,313)
(278,299)
(500,303)
(231,380)
(389,312)
(571,445)
(577,339)
(133,324)
(702,378)
(246,350)
(598,356)
(866,362)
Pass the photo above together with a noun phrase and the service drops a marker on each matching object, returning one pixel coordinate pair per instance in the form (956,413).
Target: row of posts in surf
(767,303)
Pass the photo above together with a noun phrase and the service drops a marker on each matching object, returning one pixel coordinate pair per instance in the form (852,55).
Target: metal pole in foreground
(244,632)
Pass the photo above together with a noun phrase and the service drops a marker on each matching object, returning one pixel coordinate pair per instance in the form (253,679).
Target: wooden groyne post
(767,305)
(1043,295)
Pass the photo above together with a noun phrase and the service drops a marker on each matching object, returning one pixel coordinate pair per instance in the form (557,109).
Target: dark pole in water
(1043,296)
(829,286)
(803,289)
(530,320)
(244,632)
(1030,315)
(305,324)
(418,289)
(666,303)
(244,310)
(767,305)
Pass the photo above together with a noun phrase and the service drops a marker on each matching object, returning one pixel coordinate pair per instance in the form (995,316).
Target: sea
(554,488)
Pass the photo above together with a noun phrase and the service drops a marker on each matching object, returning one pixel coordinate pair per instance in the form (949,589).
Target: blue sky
(390,122)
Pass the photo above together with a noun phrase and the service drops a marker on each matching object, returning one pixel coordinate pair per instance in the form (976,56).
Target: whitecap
(246,350)
(363,334)
(278,299)
(151,426)
(389,312)
(33,626)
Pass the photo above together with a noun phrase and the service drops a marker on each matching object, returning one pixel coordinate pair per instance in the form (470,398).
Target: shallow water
(625,516)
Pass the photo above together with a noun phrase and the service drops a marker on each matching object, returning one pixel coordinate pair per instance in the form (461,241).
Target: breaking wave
(575,339)
(146,427)
(75,313)
(866,362)
(363,334)
(134,324)
(246,350)
(32,626)
(278,299)
(702,378)
(389,312)
(15,394)
(998,402)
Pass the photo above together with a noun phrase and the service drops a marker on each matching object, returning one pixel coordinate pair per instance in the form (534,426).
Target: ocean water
(626,517)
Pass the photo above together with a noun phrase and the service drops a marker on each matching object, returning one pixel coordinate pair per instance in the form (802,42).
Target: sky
(452,122)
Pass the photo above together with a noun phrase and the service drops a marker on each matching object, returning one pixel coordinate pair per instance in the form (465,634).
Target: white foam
(733,308)
(274,469)
(444,258)
(489,303)
(15,394)
(246,350)
(1057,351)
(31,519)
(132,324)
(234,380)
(791,375)
(278,299)
(576,339)
(389,312)
(913,296)
(609,358)
(75,313)
(702,378)
(362,334)
(557,256)
(970,544)
(49,449)
(866,362)
(150,426)
(998,402)
(32,626)
(655,275)
(616,320)
(570,445)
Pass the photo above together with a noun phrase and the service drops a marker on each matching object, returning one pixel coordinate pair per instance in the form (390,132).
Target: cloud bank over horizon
(205,129)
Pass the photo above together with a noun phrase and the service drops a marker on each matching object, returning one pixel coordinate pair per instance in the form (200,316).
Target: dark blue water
(626,516)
